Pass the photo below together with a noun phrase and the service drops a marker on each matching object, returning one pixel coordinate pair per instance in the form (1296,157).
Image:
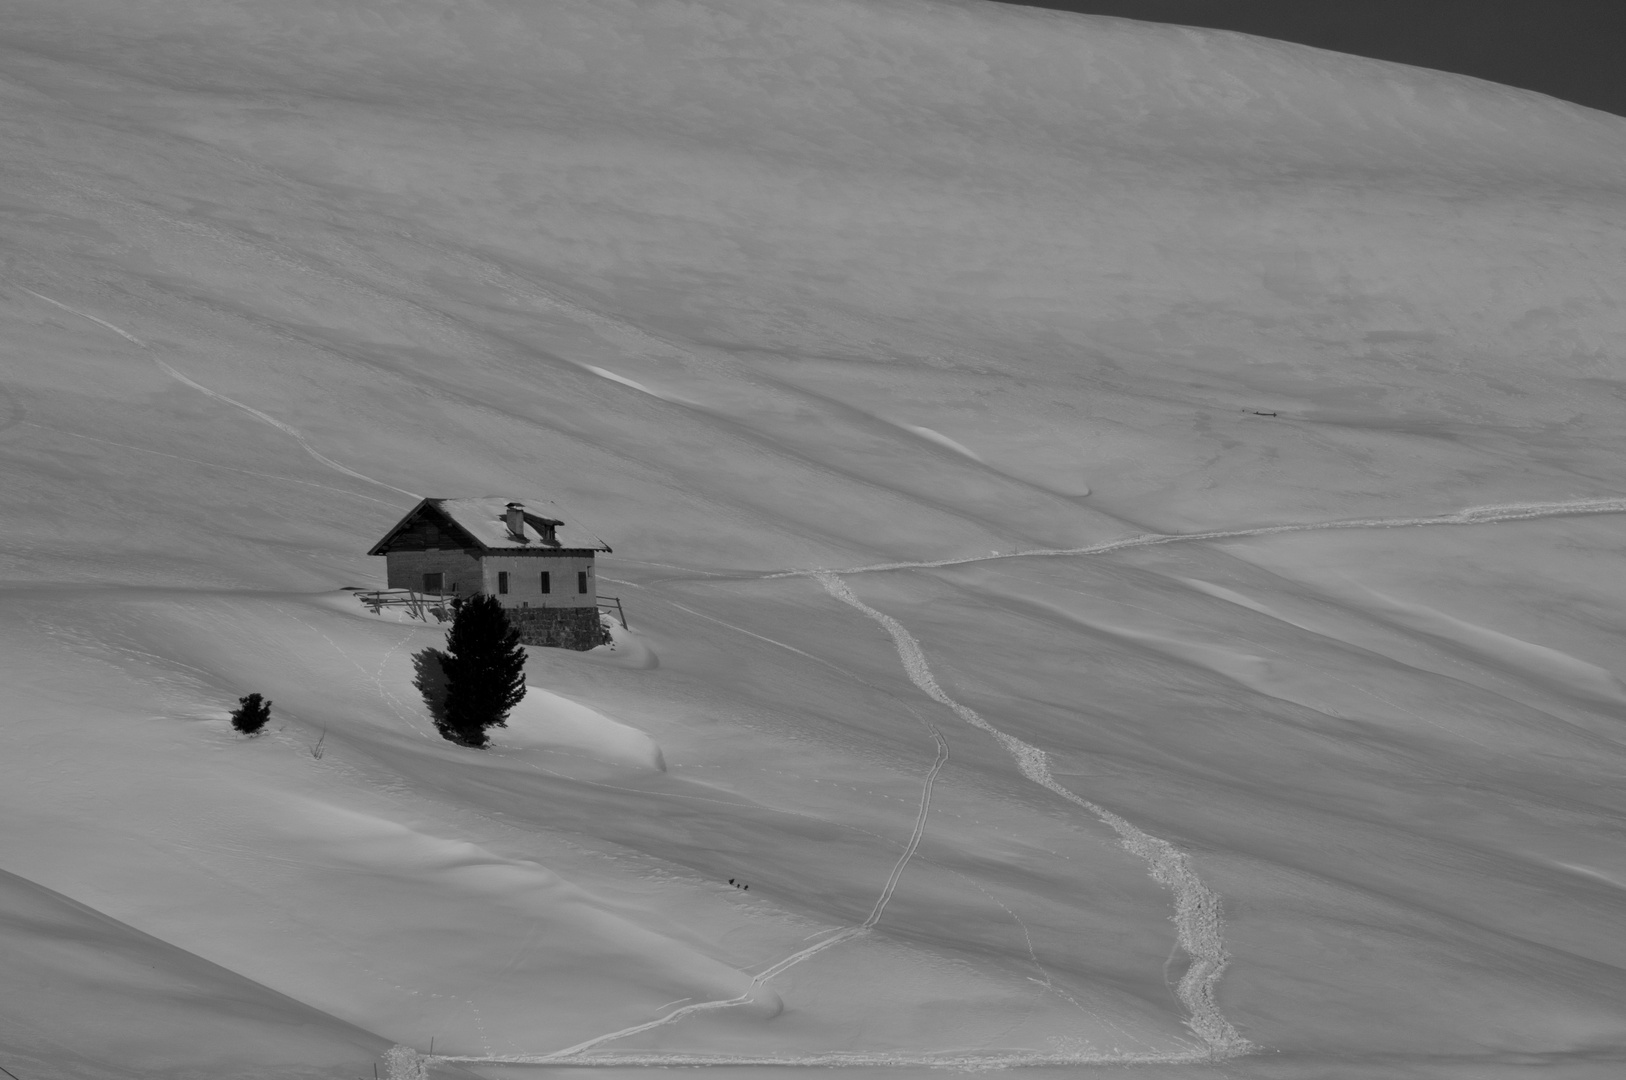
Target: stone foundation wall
(563,628)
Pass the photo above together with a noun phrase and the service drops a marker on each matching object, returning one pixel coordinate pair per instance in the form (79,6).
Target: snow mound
(626,649)
(549,721)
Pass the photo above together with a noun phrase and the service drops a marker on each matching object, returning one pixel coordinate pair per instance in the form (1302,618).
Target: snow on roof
(486,520)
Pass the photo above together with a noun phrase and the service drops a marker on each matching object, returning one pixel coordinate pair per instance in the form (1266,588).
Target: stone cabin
(541,573)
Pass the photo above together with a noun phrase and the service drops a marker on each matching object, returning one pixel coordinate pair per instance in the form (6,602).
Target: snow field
(352,670)
(304,444)
(747,287)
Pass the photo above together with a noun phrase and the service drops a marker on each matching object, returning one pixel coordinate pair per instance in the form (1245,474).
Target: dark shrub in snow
(251,714)
(484,664)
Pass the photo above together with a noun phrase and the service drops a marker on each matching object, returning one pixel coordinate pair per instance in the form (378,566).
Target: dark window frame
(581,582)
(547,582)
(502,583)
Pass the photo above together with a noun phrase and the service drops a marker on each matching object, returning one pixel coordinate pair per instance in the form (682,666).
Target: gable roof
(483,523)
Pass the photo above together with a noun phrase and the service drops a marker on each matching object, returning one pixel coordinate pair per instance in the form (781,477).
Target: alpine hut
(542,573)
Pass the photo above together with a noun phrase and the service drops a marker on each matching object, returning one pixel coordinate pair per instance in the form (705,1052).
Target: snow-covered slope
(755,287)
(70,970)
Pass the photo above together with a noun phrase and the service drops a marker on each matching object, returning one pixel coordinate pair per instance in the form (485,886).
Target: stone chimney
(516,520)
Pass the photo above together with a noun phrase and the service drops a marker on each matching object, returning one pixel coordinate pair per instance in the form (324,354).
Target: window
(581,581)
(433,583)
(547,582)
(502,581)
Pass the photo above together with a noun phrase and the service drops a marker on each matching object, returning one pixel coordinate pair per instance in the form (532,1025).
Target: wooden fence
(422,605)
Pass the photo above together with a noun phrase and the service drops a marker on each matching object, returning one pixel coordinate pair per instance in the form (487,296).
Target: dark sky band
(1570,49)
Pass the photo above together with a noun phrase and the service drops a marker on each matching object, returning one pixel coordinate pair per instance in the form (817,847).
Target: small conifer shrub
(251,714)
(484,665)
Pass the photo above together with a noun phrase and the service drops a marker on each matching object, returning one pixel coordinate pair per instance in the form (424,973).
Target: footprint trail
(574,1054)
(1476,515)
(1196,907)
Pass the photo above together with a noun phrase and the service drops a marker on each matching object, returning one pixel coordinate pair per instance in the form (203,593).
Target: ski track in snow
(200,461)
(572,1054)
(1476,515)
(1196,914)
(287,429)
(951,1059)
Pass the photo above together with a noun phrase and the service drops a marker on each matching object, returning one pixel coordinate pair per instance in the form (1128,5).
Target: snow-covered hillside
(1300,745)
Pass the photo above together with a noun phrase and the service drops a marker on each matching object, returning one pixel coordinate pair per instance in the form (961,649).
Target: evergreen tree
(251,714)
(485,670)
(429,676)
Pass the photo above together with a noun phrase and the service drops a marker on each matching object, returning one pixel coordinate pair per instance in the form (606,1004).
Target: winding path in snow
(1196,908)
(1476,515)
